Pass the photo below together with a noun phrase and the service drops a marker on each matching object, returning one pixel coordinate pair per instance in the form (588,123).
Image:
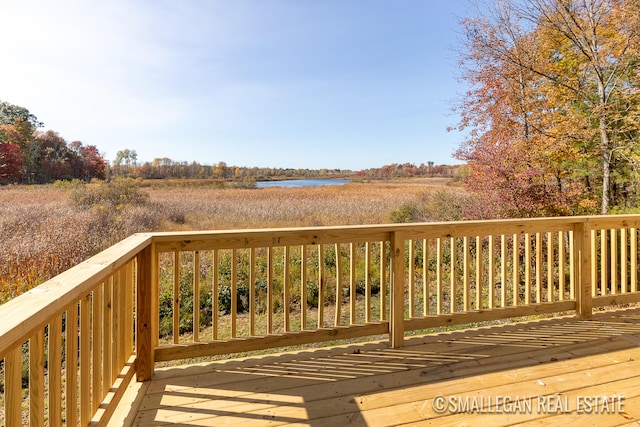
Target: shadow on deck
(548,371)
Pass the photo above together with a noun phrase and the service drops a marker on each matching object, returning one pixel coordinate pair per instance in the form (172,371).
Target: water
(290,183)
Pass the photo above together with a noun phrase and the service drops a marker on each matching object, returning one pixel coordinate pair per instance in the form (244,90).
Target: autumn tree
(554,90)
(23,127)
(124,162)
(10,157)
(54,160)
(31,156)
(11,114)
(87,162)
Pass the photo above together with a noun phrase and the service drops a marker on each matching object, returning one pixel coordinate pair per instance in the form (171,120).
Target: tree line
(28,155)
(126,165)
(553,109)
(408,170)
(31,156)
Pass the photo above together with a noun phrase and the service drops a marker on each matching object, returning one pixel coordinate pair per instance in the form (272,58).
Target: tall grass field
(45,230)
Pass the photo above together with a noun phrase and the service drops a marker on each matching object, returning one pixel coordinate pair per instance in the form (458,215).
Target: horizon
(140,163)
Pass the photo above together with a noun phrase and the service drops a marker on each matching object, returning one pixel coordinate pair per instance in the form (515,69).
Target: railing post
(396,323)
(13,386)
(582,269)
(146,315)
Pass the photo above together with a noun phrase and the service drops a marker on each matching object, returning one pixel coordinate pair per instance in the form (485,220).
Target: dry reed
(355,203)
(43,234)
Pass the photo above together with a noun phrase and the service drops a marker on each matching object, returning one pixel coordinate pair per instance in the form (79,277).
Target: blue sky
(347,84)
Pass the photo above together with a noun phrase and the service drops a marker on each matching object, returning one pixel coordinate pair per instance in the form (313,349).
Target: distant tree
(92,162)
(10,114)
(10,156)
(58,160)
(31,156)
(161,167)
(221,170)
(406,170)
(24,126)
(124,162)
(55,157)
(143,171)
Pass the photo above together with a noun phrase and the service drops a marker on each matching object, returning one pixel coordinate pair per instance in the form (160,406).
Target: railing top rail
(234,239)
(34,309)
(251,238)
(613,221)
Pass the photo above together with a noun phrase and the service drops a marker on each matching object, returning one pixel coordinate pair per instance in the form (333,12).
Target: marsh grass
(356,203)
(44,232)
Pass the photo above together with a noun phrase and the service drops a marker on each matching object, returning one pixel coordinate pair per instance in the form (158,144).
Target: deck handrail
(301,285)
(34,308)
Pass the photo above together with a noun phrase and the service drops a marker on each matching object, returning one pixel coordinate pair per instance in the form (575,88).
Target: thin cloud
(247,82)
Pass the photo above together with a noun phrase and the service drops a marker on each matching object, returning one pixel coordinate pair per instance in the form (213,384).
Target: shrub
(242,298)
(407,212)
(440,205)
(186,303)
(445,205)
(116,194)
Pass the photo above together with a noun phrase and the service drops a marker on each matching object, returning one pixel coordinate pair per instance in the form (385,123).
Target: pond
(290,183)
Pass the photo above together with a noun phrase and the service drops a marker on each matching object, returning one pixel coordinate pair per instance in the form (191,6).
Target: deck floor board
(558,362)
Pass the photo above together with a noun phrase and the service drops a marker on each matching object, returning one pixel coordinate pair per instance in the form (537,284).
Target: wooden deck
(552,365)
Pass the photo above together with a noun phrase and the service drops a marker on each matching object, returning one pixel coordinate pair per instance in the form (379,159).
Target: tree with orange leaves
(553,104)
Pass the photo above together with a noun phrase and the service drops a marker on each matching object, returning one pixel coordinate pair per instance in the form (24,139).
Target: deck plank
(373,385)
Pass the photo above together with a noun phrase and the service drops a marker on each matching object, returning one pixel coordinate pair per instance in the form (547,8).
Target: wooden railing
(68,344)
(69,347)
